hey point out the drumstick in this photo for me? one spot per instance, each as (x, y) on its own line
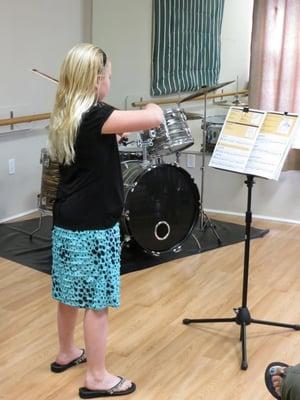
(50, 78)
(42, 74)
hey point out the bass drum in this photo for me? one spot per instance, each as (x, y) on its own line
(161, 206)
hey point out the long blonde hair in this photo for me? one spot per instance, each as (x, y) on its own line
(76, 93)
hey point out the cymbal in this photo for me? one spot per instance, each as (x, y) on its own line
(192, 115)
(205, 90)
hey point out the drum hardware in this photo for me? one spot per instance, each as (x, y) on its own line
(205, 221)
(177, 249)
(178, 158)
(228, 104)
(197, 241)
(237, 98)
(125, 242)
(124, 142)
(133, 187)
(158, 161)
(144, 144)
(161, 224)
(192, 115)
(126, 215)
(155, 253)
(129, 186)
(214, 126)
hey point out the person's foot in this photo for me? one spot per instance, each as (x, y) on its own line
(66, 358)
(107, 382)
(121, 388)
(65, 361)
(277, 377)
(274, 375)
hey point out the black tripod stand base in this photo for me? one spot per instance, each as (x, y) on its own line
(244, 365)
(243, 318)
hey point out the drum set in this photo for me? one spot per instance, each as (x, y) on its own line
(161, 204)
(161, 199)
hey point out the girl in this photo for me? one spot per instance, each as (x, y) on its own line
(89, 203)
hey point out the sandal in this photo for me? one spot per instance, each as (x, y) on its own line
(56, 367)
(86, 393)
(269, 373)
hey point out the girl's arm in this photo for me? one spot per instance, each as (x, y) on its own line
(133, 120)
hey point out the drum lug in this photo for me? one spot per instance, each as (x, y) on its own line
(133, 186)
(155, 253)
(126, 215)
(125, 242)
(127, 239)
(177, 249)
(152, 135)
(130, 186)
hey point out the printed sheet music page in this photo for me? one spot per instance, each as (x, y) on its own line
(254, 142)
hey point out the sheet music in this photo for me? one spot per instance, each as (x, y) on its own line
(272, 145)
(254, 142)
(237, 139)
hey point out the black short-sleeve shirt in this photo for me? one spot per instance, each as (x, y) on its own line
(90, 193)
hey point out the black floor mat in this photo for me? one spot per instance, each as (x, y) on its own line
(15, 244)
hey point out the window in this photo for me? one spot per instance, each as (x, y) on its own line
(186, 44)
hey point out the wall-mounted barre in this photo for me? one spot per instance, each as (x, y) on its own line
(29, 118)
(24, 119)
(174, 100)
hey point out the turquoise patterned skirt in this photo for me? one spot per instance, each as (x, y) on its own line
(86, 267)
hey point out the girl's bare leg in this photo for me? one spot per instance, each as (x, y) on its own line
(95, 335)
(66, 321)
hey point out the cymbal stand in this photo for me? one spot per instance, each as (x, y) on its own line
(205, 221)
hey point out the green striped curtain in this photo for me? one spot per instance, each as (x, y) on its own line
(186, 44)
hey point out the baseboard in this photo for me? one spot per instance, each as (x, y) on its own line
(209, 210)
(275, 219)
(23, 214)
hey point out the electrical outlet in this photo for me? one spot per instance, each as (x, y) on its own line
(191, 161)
(11, 166)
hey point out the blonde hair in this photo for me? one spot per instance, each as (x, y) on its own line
(76, 93)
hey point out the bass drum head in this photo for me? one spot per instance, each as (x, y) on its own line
(162, 207)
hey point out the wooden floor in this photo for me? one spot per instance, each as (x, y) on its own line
(148, 342)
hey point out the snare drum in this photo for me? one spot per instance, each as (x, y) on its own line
(171, 136)
(50, 181)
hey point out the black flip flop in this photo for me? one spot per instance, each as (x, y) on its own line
(56, 367)
(268, 377)
(86, 393)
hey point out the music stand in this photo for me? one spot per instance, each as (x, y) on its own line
(243, 316)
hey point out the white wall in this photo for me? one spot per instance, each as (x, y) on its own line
(123, 30)
(126, 36)
(37, 34)
(33, 34)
